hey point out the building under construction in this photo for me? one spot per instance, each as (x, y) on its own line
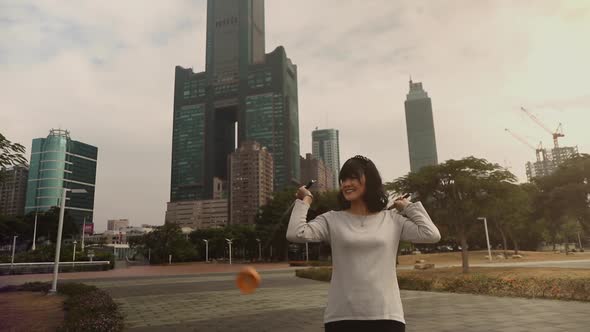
(547, 160)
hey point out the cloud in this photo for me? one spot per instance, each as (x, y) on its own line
(105, 71)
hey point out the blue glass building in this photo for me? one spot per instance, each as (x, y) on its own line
(58, 162)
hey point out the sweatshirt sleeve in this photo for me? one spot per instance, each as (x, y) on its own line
(417, 227)
(301, 231)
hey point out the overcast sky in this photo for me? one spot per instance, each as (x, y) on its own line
(105, 71)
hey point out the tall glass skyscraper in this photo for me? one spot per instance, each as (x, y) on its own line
(326, 147)
(243, 91)
(58, 162)
(420, 127)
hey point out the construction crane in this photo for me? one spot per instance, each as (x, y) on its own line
(539, 151)
(556, 134)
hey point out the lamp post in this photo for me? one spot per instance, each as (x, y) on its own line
(206, 251)
(35, 232)
(259, 250)
(485, 222)
(13, 247)
(60, 226)
(74, 254)
(229, 242)
(83, 231)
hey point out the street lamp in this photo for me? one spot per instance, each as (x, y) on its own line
(259, 250)
(35, 232)
(229, 242)
(206, 251)
(60, 227)
(83, 231)
(13, 247)
(485, 222)
(74, 254)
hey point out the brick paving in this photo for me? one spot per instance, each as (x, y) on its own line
(144, 271)
(211, 302)
(203, 297)
(30, 311)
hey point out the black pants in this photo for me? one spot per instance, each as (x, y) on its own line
(365, 325)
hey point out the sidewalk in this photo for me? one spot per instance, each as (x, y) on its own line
(146, 271)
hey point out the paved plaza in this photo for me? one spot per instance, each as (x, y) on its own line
(211, 302)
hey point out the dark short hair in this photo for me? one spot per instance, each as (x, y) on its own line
(375, 196)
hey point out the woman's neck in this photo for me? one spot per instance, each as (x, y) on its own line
(359, 207)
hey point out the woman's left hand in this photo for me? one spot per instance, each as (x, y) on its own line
(400, 203)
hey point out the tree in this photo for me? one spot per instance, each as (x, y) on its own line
(273, 218)
(509, 208)
(272, 221)
(47, 223)
(564, 198)
(164, 241)
(454, 193)
(10, 154)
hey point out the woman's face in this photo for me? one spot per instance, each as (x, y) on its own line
(353, 189)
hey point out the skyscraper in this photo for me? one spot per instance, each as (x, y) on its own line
(243, 91)
(13, 191)
(420, 127)
(326, 147)
(58, 162)
(251, 181)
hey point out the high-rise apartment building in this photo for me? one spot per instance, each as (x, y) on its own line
(13, 191)
(201, 214)
(326, 147)
(251, 181)
(315, 169)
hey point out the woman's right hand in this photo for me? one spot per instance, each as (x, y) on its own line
(304, 194)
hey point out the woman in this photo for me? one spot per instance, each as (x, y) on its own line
(364, 236)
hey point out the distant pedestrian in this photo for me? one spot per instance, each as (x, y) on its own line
(364, 237)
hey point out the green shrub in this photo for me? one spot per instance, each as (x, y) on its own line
(321, 274)
(36, 286)
(89, 309)
(310, 263)
(551, 288)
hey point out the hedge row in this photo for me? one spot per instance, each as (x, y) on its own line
(529, 287)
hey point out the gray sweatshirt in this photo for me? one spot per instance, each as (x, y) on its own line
(364, 283)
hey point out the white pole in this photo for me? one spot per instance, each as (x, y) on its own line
(306, 252)
(35, 232)
(13, 247)
(230, 253)
(580, 242)
(83, 231)
(169, 259)
(60, 226)
(485, 222)
(206, 250)
(74, 254)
